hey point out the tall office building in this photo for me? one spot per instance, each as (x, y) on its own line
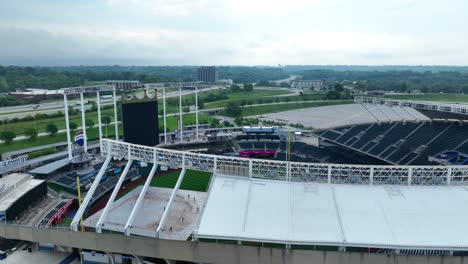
(208, 74)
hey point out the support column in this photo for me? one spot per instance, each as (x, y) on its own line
(410, 175)
(164, 115)
(180, 114)
(114, 96)
(89, 194)
(67, 124)
(162, 223)
(116, 190)
(83, 123)
(196, 111)
(98, 101)
(137, 205)
(449, 175)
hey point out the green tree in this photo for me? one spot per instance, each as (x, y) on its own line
(425, 89)
(338, 87)
(89, 123)
(186, 109)
(31, 133)
(214, 123)
(3, 85)
(73, 126)
(333, 95)
(235, 88)
(201, 104)
(248, 87)
(52, 129)
(7, 136)
(106, 120)
(404, 88)
(346, 94)
(71, 110)
(233, 110)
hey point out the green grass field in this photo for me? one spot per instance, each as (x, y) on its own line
(193, 180)
(250, 97)
(274, 108)
(436, 97)
(187, 119)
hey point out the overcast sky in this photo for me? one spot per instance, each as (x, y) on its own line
(233, 32)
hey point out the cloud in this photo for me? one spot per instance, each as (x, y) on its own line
(156, 46)
(160, 7)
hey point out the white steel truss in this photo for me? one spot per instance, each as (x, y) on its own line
(291, 171)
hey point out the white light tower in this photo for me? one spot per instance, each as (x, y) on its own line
(180, 114)
(196, 111)
(67, 124)
(164, 115)
(115, 114)
(98, 101)
(83, 123)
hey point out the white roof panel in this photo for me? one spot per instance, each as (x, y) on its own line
(327, 214)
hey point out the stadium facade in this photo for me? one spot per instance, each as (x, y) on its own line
(286, 209)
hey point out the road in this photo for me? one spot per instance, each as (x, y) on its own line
(289, 79)
(52, 107)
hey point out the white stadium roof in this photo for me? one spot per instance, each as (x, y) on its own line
(425, 217)
(325, 117)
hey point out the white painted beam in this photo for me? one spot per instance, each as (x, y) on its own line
(83, 123)
(89, 194)
(103, 216)
(137, 205)
(163, 221)
(67, 124)
(98, 101)
(116, 125)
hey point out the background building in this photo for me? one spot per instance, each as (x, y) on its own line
(125, 84)
(315, 84)
(208, 74)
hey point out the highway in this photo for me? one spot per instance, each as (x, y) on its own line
(52, 107)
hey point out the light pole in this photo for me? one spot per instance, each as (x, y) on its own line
(180, 114)
(164, 115)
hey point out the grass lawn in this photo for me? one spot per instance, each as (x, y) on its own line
(193, 180)
(40, 125)
(187, 119)
(92, 134)
(437, 97)
(274, 108)
(250, 97)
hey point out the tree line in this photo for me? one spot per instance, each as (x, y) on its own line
(399, 81)
(12, 77)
